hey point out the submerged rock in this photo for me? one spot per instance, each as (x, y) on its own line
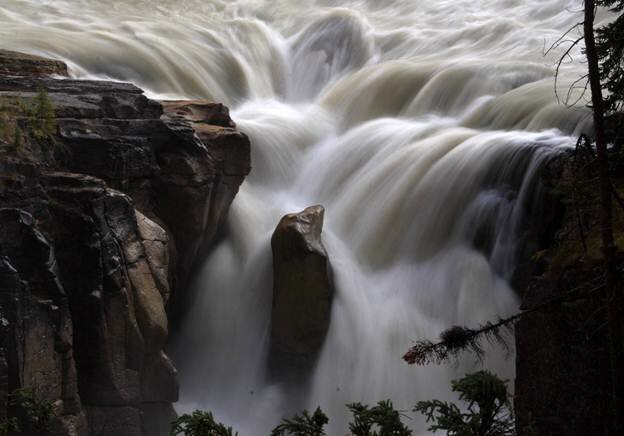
(302, 289)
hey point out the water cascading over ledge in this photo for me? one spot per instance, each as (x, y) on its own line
(421, 127)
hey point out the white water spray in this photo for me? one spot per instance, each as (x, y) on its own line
(419, 125)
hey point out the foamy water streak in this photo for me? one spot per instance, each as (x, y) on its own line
(419, 125)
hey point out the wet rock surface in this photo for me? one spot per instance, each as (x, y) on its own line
(85, 314)
(100, 226)
(302, 290)
(12, 62)
(181, 162)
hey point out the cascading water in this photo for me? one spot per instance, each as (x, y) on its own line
(419, 125)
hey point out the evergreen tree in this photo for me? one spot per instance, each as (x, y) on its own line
(604, 64)
(42, 117)
(488, 411)
(380, 420)
(199, 423)
(28, 414)
(303, 424)
(610, 49)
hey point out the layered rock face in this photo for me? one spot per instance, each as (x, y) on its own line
(86, 319)
(101, 225)
(197, 185)
(302, 290)
(22, 64)
(182, 166)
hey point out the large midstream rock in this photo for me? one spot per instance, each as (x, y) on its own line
(100, 226)
(302, 289)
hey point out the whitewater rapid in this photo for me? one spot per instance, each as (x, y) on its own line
(419, 125)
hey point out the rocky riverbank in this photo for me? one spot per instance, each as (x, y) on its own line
(102, 219)
(563, 379)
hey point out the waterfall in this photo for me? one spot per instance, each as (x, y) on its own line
(421, 127)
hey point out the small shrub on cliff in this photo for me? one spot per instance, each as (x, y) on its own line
(35, 120)
(9, 426)
(8, 125)
(33, 416)
(41, 115)
(303, 425)
(488, 408)
(199, 423)
(4, 123)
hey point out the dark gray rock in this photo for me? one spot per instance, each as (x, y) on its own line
(14, 63)
(36, 325)
(182, 166)
(101, 224)
(90, 318)
(302, 289)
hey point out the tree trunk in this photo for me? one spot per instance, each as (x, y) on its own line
(606, 220)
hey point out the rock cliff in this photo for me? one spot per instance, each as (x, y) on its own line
(562, 384)
(101, 222)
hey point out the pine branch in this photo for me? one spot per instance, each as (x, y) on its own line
(457, 340)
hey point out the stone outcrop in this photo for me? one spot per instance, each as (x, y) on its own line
(302, 290)
(182, 166)
(197, 185)
(101, 224)
(14, 63)
(86, 322)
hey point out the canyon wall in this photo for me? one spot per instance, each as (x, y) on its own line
(101, 223)
(563, 380)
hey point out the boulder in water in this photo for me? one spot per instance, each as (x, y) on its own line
(302, 288)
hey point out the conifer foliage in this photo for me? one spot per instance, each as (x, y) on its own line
(42, 118)
(380, 420)
(29, 414)
(610, 49)
(200, 423)
(303, 424)
(488, 409)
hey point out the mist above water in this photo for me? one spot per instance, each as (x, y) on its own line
(419, 125)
